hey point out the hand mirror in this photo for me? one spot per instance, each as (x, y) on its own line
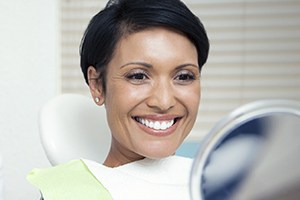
(253, 153)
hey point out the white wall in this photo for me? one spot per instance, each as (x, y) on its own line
(29, 74)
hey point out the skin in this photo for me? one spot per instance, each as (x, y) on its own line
(154, 77)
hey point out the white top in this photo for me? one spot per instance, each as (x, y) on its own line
(145, 179)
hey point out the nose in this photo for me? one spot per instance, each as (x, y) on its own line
(162, 96)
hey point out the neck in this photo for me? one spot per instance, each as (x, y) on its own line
(117, 157)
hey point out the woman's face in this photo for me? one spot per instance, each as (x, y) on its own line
(152, 94)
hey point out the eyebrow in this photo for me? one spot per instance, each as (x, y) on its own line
(137, 63)
(150, 66)
(187, 64)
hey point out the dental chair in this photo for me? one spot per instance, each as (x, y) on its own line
(72, 126)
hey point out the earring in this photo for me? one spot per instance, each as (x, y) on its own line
(97, 100)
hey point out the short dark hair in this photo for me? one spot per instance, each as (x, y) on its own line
(123, 17)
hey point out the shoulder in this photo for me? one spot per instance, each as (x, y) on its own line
(166, 178)
(58, 169)
(159, 171)
(70, 180)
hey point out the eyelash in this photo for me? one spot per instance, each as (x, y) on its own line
(140, 76)
(137, 77)
(185, 77)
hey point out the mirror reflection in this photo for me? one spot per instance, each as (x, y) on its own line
(231, 159)
(252, 154)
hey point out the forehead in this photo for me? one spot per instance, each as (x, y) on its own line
(156, 42)
(146, 33)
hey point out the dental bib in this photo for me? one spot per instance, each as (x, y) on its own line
(161, 179)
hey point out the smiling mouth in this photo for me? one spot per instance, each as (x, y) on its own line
(156, 125)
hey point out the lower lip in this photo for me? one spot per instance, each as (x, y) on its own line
(159, 133)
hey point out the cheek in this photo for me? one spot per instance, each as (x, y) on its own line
(123, 96)
(137, 93)
(191, 97)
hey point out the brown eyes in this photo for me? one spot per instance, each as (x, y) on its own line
(185, 76)
(182, 77)
(136, 76)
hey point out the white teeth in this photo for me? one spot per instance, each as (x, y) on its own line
(163, 125)
(151, 124)
(156, 124)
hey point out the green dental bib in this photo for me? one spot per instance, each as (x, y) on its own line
(70, 181)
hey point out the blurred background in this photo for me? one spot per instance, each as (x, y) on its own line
(255, 54)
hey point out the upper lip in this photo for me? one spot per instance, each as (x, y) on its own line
(157, 117)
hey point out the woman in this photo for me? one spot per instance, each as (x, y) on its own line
(142, 60)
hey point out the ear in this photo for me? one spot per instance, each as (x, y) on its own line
(95, 86)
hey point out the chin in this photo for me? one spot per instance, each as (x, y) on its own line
(157, 148)
(158, 153)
